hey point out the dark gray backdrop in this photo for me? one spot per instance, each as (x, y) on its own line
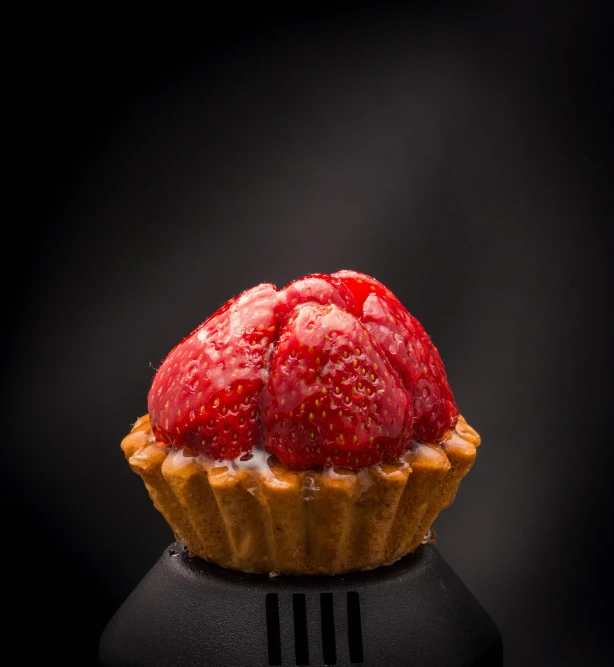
(458, 155)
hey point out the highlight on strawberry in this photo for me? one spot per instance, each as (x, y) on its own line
(331, 370)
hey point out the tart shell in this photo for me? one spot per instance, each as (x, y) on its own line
(259, 516)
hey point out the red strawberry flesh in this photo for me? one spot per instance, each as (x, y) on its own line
(330, 371)
(360, 286)
(333, 399)
(315, 288)
(205, 394)
(417, 361)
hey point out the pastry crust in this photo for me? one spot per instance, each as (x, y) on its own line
(259, 516)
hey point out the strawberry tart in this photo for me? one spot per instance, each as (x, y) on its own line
(307, 430)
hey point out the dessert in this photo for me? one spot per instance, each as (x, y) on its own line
(308, 430)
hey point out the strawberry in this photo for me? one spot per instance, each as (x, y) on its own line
(205, 394)
(331, 370)
(409, 349)
(314, 288)
(332, 398)
(417, 362)
(360, 286)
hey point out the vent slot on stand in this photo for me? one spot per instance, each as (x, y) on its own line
(272, 629)
(327, 613)
(301, 646)
(354, 628)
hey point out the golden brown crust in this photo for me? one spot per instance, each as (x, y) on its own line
(460, 449)
(193, 490)
(271, 519)
(429, 466)
(281, 495)
(330, 519)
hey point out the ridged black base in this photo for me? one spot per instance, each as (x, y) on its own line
(188, 613)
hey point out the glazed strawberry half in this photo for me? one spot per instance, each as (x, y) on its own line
(330, 371)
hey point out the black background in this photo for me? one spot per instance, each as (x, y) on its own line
(458, 153)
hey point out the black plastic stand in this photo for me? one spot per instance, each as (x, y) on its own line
(188, 613)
